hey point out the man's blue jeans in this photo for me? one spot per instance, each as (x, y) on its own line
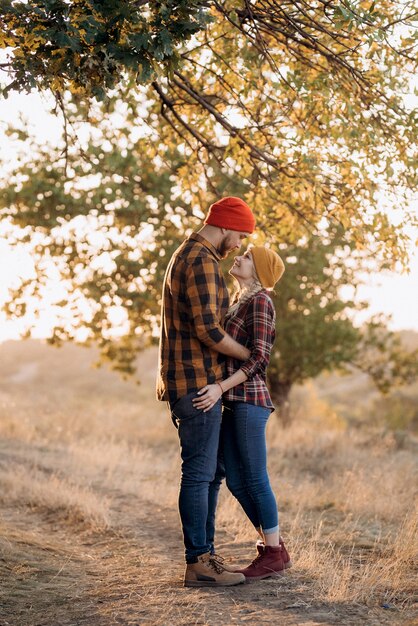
(243, 452)
(199, 442)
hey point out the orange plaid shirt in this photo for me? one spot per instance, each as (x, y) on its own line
(195, 301)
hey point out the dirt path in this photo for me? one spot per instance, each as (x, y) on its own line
(57, 572)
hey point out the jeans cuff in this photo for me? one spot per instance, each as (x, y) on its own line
(269, 531)
(194, 558)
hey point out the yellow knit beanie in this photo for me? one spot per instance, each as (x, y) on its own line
(268, 265)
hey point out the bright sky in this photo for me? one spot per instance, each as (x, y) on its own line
(394, 294)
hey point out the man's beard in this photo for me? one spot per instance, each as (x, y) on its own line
(224, 248)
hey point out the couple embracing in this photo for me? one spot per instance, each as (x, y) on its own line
(212, 371)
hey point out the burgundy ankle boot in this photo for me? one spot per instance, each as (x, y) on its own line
(286, 558)
(270, 562)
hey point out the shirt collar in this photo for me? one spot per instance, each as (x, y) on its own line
(205, 242)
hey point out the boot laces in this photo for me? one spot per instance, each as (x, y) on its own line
(216, 561)
(218, 558)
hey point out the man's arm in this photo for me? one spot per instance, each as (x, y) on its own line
(232, 348)
(202, 290)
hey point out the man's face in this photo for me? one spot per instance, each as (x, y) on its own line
(232, 240)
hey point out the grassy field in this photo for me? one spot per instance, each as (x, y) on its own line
(89, 470)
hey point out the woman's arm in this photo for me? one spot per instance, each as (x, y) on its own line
(235, 379)
(209, 394)
(260, 322)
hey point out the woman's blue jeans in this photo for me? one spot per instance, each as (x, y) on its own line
(199, 443)
(244, 451)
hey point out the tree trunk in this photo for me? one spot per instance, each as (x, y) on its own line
(280, 395)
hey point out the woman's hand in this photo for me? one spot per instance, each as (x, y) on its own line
(208, 397)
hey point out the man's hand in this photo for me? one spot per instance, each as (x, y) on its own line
(209, 395)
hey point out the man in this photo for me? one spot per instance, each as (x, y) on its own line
(192, 349)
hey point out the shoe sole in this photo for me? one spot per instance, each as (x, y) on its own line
(198, 583)
(254, 579)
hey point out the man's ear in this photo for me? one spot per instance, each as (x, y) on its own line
(223, 230)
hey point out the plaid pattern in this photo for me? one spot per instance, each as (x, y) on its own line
(195, 301)
(253, 326)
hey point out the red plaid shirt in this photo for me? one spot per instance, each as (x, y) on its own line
(253, 326)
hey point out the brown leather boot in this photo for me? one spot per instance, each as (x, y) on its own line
(209, 572)
(270, 562)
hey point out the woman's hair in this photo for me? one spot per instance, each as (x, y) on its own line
(242, 295)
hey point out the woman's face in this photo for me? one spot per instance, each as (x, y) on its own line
(243, 268)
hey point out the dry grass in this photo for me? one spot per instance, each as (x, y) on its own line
(345, 573)
(85, 446)
(30, 487)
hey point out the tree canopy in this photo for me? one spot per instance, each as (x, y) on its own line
(298, 107)
(85, 45)
(302, 101)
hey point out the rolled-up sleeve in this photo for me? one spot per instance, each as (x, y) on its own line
(260, 322)
(202, 292)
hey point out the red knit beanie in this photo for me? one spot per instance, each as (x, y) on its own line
(231, 213)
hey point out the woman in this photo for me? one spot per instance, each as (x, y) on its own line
(247, 405)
